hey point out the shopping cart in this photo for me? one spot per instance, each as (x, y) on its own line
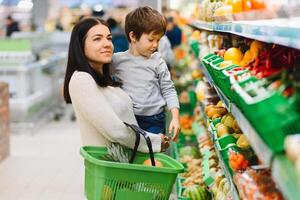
(108, 180)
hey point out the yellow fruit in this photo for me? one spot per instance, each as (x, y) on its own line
(234, 54)
(148, 163)
(196, 74)
(242, 142)
(229, 121)
(236, 127)
(226, 63)
(248, 56)
(220, 104)
(200, 95)
(196, 35)
(256, 47)
(222, 130)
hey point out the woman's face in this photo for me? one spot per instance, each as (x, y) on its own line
(98, 47)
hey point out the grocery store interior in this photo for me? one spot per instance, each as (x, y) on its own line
(235, 65)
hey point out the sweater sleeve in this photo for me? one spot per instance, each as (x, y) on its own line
(92, 104)
(166, 85)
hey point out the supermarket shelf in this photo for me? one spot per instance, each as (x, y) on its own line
(286, 177)
(211, 82)
(259, 146)
(279, 31)
(227, 174)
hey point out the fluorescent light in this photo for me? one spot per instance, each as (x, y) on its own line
(84, 6)
(98, 8)
(25, 4)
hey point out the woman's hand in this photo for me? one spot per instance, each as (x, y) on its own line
(174, 128)
(165, 142)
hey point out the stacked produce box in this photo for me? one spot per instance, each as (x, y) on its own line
(4, 121)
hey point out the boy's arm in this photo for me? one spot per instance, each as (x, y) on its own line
(169, 93)
(166, 85)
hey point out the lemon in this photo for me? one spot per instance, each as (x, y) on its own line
(234, 54)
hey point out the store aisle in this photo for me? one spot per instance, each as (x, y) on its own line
(44, 166)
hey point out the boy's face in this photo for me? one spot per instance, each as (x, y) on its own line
(147, 44)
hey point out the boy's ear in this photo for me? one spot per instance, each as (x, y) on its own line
(132, 36)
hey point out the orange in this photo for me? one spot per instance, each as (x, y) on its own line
(258, 4)
(247, 5)
(234, 54)
(148, 163)
(237, 6)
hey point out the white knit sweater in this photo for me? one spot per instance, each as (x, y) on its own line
(101, 111)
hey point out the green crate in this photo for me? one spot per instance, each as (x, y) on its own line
(239, 102)
(180, 189)
(206, 60)
(213, 128)
(107, 180)
(217, 74)
(226, 140)
(208, 178)
(188, 108)
(224, 80)
(225, 154)
(186, 140)
(270, 113)
(211, 68)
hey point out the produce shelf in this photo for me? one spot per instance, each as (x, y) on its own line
(283, 31)
(286, 177)
(258, 145)
(227, 174)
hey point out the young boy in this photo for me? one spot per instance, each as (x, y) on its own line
(144, 73)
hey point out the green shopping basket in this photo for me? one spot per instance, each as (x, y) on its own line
(108, 180)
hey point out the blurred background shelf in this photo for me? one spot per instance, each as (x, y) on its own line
(279, 31)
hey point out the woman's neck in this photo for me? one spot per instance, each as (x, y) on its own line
(98, 67)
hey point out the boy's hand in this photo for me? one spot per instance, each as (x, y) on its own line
(174, 128)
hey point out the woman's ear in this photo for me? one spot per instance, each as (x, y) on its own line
(132, 36)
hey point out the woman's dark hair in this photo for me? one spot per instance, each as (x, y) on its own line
(77, 60)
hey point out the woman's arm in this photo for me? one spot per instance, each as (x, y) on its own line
(93, 106)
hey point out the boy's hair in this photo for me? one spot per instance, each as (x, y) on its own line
(144, 20)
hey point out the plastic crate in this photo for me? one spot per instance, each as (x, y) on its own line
(188, 108)
(211, 68)
(217, 74)
(107, 180)
(224, 152)
(271, 114)
(206, 60)
(226, 140)
(224, 80)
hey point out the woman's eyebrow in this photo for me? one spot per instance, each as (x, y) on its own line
(101, 35)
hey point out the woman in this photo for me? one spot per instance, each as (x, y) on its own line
(100, 105)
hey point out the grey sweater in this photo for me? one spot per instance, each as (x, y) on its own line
(147, 81)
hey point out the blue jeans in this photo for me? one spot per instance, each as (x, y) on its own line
(153, 124)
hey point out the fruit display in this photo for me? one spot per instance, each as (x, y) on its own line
(257, 184)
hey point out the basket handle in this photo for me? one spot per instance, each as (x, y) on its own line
(138, 131)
